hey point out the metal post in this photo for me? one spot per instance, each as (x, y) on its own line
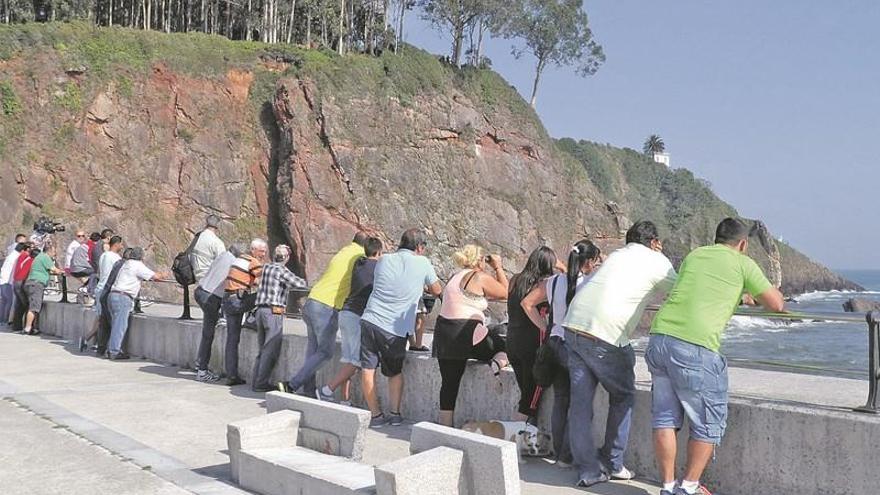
(63, 288)
(873, 364)
(185, 315)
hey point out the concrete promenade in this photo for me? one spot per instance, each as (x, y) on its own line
(788, 433)
(73, 424)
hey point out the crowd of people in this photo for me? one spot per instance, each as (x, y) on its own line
(570, 324)
(570, 321)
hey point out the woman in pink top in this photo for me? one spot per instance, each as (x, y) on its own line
(460, 333)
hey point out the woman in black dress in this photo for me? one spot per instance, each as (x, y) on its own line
(523, 337)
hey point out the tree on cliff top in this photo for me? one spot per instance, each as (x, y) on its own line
(555, 32)
(654, 144)
(457, 16)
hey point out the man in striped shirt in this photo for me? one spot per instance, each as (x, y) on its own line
(238, 299)
(274, 284)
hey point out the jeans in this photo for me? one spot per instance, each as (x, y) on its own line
(591, 363)
(210, 305)
(687, 379)
(270, 328)
(5, 302)
(561, 399)
(120, 306)
(19, 307)
(234, 309)
(321, 324)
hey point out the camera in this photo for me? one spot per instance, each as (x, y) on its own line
(46, 226)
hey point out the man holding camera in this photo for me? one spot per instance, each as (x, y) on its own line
(42, 267)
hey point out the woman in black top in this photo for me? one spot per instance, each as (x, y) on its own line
(523, 337)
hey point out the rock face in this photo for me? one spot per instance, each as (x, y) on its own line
(860, 305)
(439, 164)
(148, 138)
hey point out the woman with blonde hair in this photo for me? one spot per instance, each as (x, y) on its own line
(460, 332)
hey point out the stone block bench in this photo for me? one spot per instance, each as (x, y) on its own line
(305, 446)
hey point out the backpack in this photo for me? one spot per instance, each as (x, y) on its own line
(182, 267)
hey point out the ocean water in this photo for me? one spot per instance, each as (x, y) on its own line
(833, 348)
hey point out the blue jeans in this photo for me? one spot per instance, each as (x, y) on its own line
(234, 309)
(5, 302)
(687, 379)
(561, 398)
(210, 305)
(591, 363)
(322, 324)
(120, 306)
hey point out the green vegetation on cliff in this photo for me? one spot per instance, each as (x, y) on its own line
(103, 137)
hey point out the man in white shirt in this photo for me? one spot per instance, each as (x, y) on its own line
(207, 248)
(6, 293)
(105, 265)
(77, 241)
(120, 301)
(209, 296)
(599, 322)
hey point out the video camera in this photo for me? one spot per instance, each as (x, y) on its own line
(46, 226)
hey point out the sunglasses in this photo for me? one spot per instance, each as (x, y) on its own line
(80, 235)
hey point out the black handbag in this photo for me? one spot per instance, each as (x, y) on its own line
(547, 364)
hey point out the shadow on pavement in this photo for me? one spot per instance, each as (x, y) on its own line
(541, 472)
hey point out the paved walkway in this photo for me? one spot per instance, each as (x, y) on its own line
(74, 424)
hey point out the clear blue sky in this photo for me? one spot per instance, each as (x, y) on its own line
(776, 103)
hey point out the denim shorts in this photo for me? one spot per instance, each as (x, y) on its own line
(691, 380)
(350, 331)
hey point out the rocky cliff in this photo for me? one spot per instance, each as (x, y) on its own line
(147, 133)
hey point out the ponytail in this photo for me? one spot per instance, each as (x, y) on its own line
(582, 252)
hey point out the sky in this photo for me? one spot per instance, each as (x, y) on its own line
(775, 103)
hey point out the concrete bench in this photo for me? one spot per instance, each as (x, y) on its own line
(438, 471)
(490, 465)
(324, 426)
(300, 471)
(279, 429)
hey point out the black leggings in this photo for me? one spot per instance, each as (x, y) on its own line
(451, 370)
(522, 368)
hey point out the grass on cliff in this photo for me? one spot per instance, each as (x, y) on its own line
(106, 53)
(682, 205)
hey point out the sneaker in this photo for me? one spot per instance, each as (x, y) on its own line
(233, 381)
(378, 421)
(322, 394)
(284, 387)
(206, 376)
(395, 419)
(119, 356)
(623, 474)
(583, 483)
(701, 490)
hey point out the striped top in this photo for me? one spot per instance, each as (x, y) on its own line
(244, 273)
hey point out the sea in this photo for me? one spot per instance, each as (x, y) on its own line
(821, 347)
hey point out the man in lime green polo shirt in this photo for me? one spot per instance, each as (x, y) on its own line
(689, 375)
(320, 313)
(42, 267)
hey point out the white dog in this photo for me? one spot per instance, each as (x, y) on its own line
(530, 442)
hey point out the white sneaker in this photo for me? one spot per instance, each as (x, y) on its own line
(623, 474)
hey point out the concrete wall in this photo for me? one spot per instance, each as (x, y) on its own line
(770, 447)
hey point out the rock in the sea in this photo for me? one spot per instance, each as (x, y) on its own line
(860, 305)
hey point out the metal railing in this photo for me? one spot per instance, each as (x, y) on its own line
(872, 405)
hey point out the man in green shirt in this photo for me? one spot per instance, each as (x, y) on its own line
(689, 376)
(42, 267)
